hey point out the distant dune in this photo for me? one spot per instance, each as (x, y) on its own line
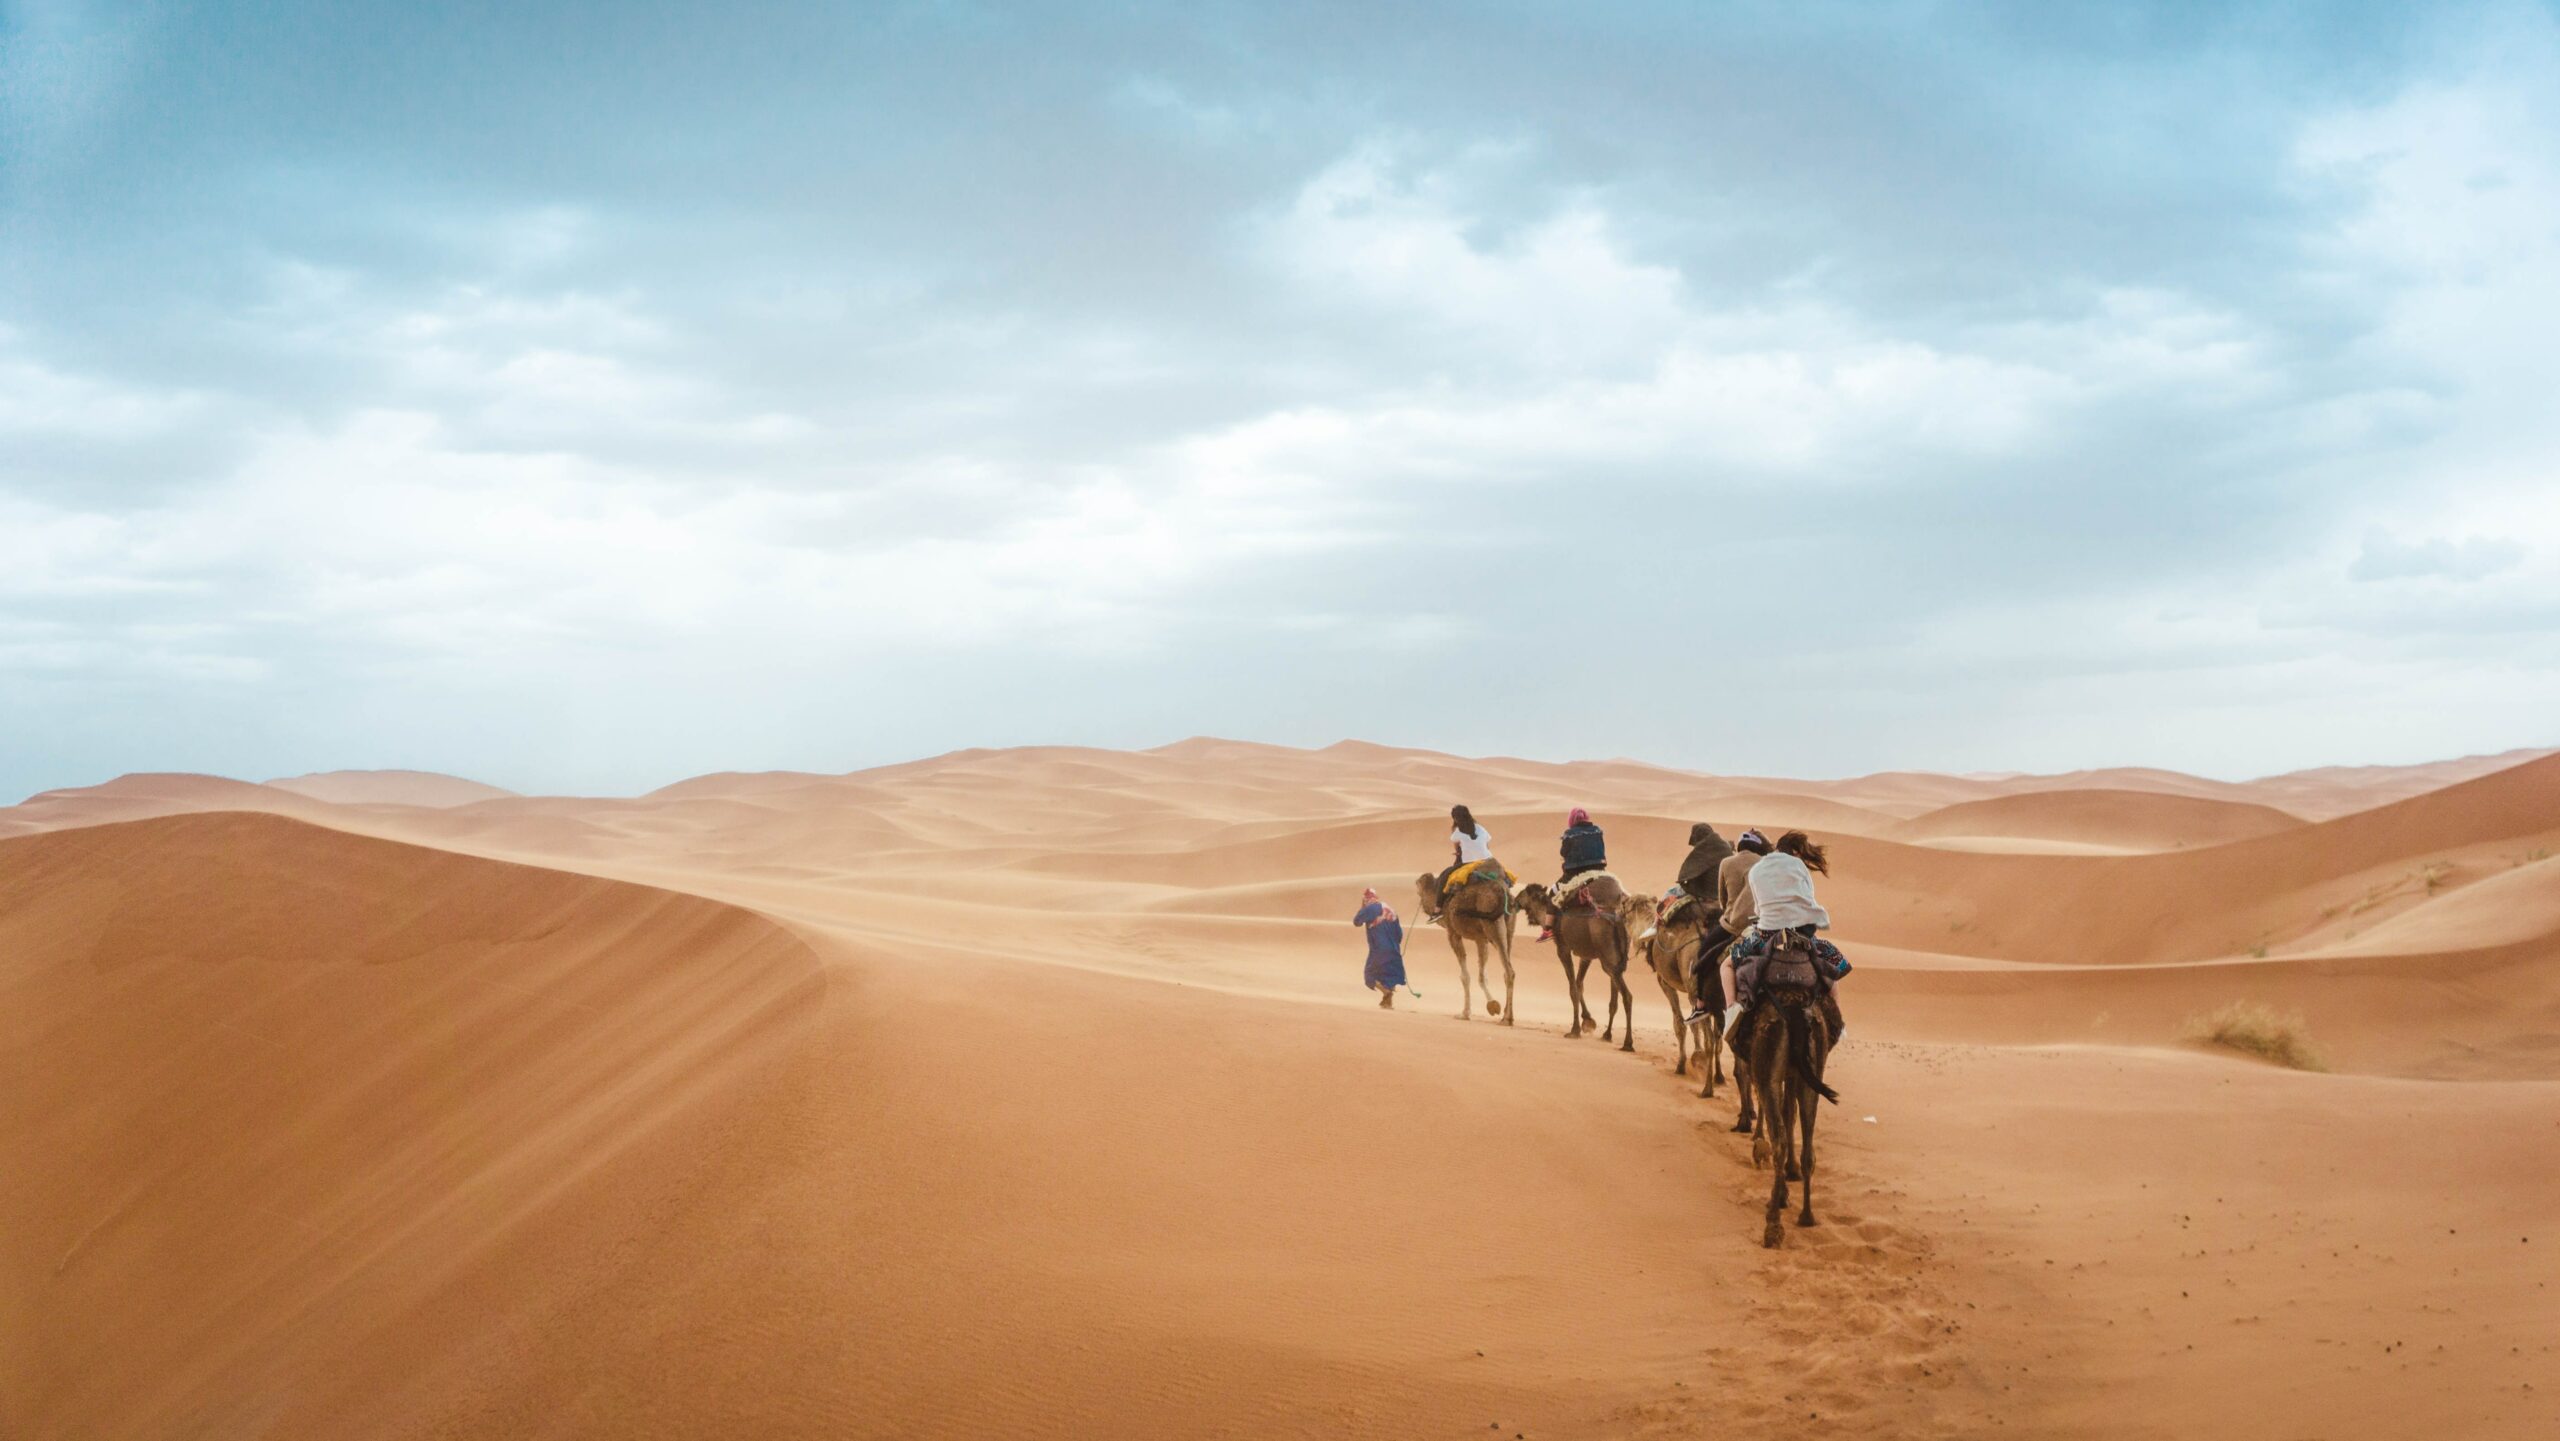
(2104, 819)
(1031, 1092)
(390, 788)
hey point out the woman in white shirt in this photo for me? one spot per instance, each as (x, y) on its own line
(1473, 842)
(1468, 844)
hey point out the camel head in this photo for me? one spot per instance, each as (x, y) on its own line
(1535, 904)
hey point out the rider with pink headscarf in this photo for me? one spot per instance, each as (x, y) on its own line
(1582, 847)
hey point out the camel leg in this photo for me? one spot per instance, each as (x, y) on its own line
(1783, 1117)
(1758, 1092)
(1777, 1124)
(1772, 1228)
(1510, 1006)
(1812, 1107)
(1466, 998)
(1679, 1027)
(1807, 1107)
(1572, 990)
(1607, 1031)
(1622, 994)
(1711, 1040)
(1745, 1082)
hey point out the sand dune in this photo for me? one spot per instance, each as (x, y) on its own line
(1030, 1093)
(2109, 819)
(2328, 791)
(314, 1128)
(390, 788)
(141, 796)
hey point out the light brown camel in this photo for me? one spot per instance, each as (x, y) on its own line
(1583, 934)
(1673, 953)
(1479, 911)
(1790, 1044)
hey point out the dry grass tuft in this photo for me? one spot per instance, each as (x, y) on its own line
(2260, 1030)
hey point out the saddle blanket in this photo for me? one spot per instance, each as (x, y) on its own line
(1572, 885)
(1464, 874)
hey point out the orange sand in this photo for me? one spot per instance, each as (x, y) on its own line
(1032, 1093)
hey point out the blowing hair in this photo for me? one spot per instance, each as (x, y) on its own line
(1801, 846)
(1465, 819)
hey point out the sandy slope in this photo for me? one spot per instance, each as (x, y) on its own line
(1029, 1092)
(300, 1126)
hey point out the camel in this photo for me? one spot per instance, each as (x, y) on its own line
(1586, 934)
(1674, 955)
(1479, 911)
(1789, 1047)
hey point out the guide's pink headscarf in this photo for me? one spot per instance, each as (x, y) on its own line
(1370, 894)
(1580, 817)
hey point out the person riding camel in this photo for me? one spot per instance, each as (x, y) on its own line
(1732, 890)
(1385, 969)
(1470, 845)
(1782, 899)
(1585, 853)
(1707, 850)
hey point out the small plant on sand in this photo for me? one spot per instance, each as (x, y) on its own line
(2434, 876)
(2259, 950)
(2260, 1030)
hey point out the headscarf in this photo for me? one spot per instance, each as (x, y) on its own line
(1752, 840)
(1580, 817)
(1370, 894)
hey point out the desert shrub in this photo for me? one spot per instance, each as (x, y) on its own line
(2260, 1030)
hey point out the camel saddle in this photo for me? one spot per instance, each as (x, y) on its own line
(1692, 908)
(1590, 891)
(1791, 965)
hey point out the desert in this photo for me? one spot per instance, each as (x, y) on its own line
(1032, 1092)
(955, 720)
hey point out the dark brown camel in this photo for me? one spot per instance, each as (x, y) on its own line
(1789, 1047)
(1673, 953)
(1590, 929)
(1479, 911)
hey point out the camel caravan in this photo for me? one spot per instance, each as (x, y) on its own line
(1734, 943)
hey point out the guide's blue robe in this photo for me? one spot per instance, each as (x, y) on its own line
(1386, 945)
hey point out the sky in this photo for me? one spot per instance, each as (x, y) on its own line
(579, 398)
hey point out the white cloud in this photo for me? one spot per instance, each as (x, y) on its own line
(2471, 558)
(1560, 347)
(38, 399)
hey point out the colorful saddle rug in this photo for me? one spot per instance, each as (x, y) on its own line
(1464, 874)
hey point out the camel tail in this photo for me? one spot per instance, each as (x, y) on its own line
(1800, 1053)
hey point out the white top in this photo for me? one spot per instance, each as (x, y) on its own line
(1782, 889)
(1477, 847)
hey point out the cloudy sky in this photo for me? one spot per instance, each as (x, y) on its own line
(585, 397)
